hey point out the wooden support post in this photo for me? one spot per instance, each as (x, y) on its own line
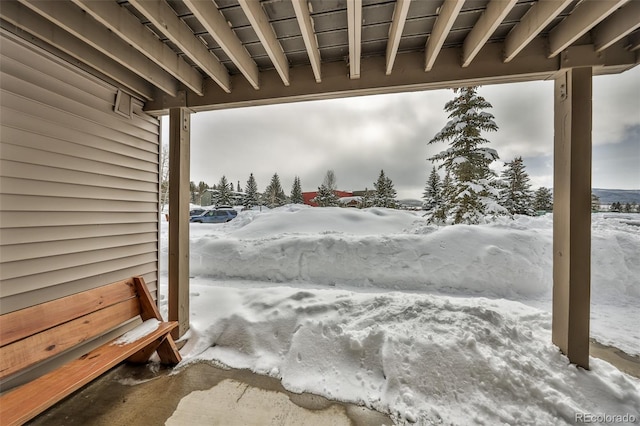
(572, 214)
(179, 157)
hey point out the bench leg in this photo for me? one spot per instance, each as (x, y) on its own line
(167, 351)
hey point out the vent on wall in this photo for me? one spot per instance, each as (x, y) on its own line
(124, 104)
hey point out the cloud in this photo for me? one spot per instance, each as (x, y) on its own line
(617, 165)
(524, 115)
(616, 106)
(355, 137)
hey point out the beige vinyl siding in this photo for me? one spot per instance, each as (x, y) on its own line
(79, 183)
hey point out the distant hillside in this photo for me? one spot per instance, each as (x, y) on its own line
(608, 196)
(411, 202)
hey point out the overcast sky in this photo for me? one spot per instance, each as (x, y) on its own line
(357, 137)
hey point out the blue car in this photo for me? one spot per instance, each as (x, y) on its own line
(214, 216)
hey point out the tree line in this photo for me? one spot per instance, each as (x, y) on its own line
(624, 208)
(225, 193)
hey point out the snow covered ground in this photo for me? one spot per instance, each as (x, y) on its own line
(431, 324)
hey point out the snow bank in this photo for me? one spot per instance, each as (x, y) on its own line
(381, 249)
(302, 219)
(433, 260)
(389, 249)
(379, 308)
(423, 358)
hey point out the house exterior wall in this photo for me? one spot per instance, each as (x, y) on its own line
(79, 182)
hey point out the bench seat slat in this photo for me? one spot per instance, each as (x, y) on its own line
(41, 346)
(25, 402)
(26, 322)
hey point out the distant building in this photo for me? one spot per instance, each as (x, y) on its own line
(350, 201)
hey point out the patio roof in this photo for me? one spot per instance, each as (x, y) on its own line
(207, 55)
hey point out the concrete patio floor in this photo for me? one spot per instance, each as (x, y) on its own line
(199, 394)
(203, 394)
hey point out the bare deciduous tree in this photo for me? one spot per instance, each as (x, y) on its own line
(164, 176)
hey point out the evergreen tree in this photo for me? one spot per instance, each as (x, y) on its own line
(274, 195)
(432, 195)
(627, 208)
(367, 199)
(543, 200)
(439, 214)
(238, 188)
(326, 196)
(385, 194)
(516, 195)
(224, 196)
(474, 190)
(251, 197)
(595, 203)
(296, 192)
(192, 192)
(392, 194)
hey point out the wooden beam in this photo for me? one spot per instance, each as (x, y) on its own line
(260, 24)
(395, 32)
(634, 41)
(487, 68)
(354, 30)
(532, 23)
(303, 16)
(489, 21)
(128, 27)
(70, 18)
(572, 214)
(37, 26)
(216, 25)
(585, 16)
(623, 22)
(179, 160)
(164, 18)
(446, 17)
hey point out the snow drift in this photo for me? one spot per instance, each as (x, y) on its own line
(424, 359)
(434, 325)
(389, 249)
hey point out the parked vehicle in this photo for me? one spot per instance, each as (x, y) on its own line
(214, 216)
(196, 212)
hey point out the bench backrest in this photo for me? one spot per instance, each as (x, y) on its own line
(31, 335)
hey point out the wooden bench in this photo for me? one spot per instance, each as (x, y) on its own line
(34, 334)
